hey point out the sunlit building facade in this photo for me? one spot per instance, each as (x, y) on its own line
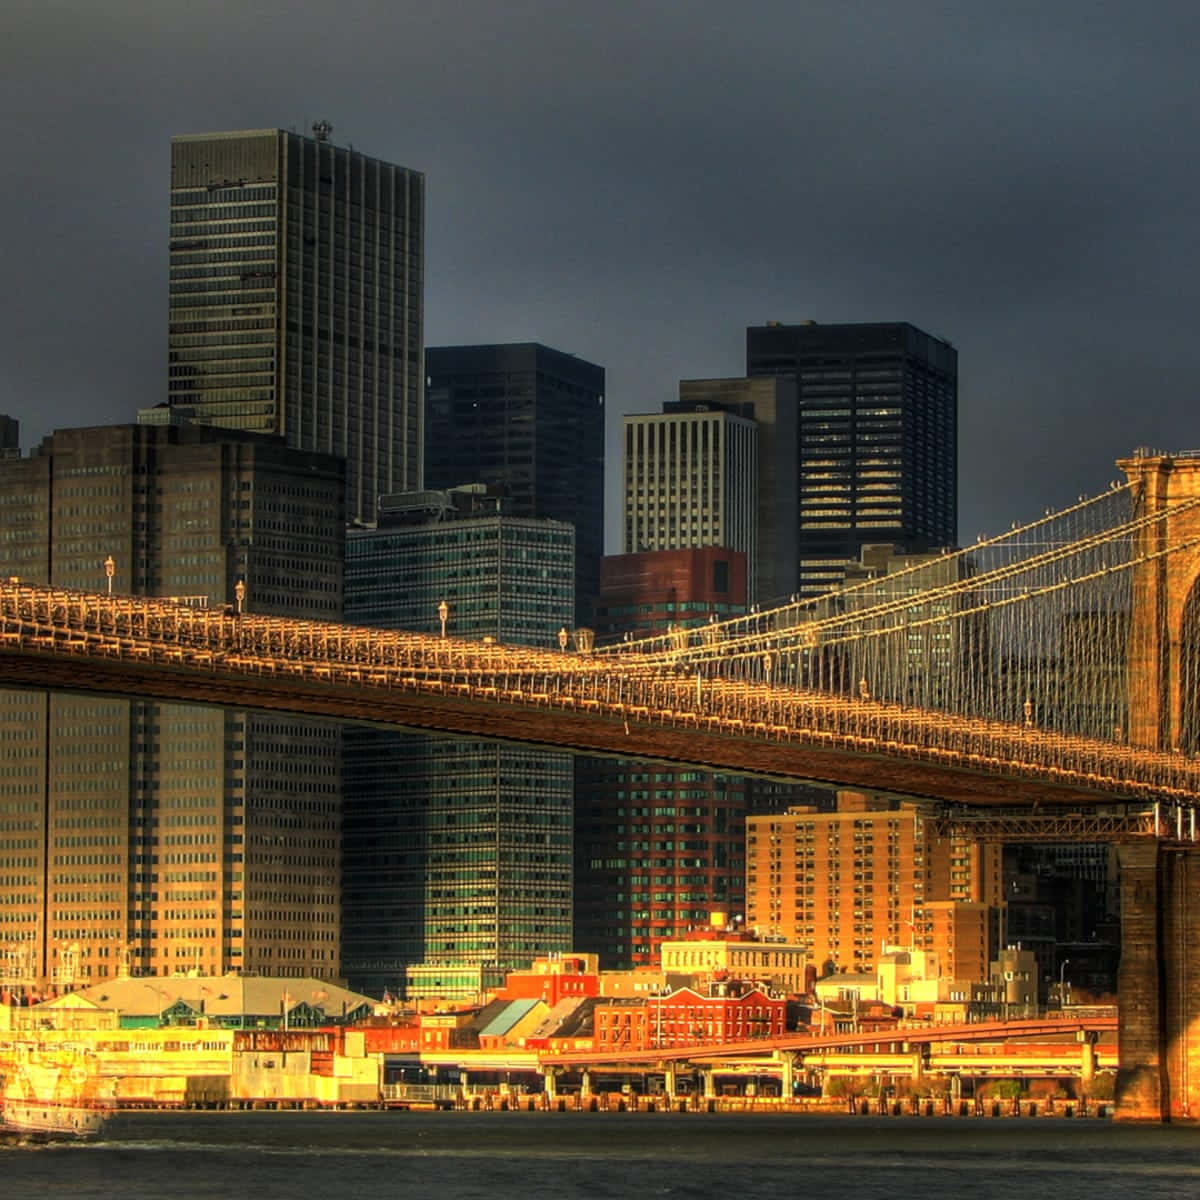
(844, 884)
(148, 838)
(691, 479)
(770, 402)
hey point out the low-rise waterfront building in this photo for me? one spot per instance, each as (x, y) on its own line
(714, 952)
(726, 1011)
(553, 979)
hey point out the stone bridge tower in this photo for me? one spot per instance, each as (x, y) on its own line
(1159, 982)
(1164, 647)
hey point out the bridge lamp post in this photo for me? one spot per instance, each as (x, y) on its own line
(443, 611)
(1062, 985)
(562, 639)
(766, 664)
(239, 592)
(1028, 710)
(110, 569)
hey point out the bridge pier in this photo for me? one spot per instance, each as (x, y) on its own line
(787, 1069)
(1158, 984)
(1087, 1060)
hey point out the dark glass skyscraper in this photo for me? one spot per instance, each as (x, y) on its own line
(876, 444)
(527, 421)
(296, 286)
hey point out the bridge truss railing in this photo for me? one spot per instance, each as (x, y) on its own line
(633, 688)
(1030, 627)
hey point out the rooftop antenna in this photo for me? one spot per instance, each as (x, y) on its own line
(322, 130)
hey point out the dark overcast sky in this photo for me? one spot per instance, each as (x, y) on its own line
(636, 183)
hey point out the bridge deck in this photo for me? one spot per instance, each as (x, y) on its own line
(635, 707)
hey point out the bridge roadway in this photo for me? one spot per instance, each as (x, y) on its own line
(636, 706)
(881, 1041)
(995, 1048)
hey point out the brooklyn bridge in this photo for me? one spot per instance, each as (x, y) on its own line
(1038, 684)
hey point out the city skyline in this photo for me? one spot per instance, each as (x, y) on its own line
(1011, 185)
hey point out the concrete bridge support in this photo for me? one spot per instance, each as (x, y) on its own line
(1159, 984)
(1087, 1059)
(787, 1071)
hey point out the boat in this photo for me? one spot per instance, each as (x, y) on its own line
(52, 1095)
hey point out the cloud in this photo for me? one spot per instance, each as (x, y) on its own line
(637, 183)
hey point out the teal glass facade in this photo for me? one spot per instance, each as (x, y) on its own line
(458, 853)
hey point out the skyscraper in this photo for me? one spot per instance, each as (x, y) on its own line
(296, 286)
(528, 421)
(457, 851)
(658, 850)
(770, 402)
(876, 443)
(162, 838)
(691, 479)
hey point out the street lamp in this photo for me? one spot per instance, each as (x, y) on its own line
(1066, 962)
(239, 591)
(562, 639)
(110, 569)
(443, 612)
(1028, 709)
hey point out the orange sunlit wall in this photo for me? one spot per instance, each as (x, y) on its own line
(844, 883)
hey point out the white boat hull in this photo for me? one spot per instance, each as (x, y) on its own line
(42, 1118)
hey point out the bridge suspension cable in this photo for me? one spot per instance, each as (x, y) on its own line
(1030, 627)
(1004, 662)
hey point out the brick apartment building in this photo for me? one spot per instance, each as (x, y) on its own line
(843, 884)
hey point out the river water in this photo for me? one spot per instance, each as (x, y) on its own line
(459, 1155)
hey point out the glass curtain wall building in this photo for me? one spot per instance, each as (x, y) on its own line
(457, 851)
(149, 838)
(527, 421)
(296, 300)
(876, 445)
(658, 850)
